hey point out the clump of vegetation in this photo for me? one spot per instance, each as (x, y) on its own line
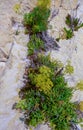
(22, 104)
(47, 97)
(47, 61)
(69, 33)
(34, 44)
(66, 34)
(69, 68)
(80, 85)
(73, 23)
(36, 21)
(42, 79)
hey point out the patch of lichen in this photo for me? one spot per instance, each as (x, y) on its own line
(81, 106)
(17, 7)
(80, 85)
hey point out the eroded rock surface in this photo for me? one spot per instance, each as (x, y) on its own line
(12, 68)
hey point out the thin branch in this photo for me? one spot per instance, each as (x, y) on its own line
(59, 72)
(3, 60)
(4, 53)
(61, 3)
(54, 13)
(10, 50)
(7, 56)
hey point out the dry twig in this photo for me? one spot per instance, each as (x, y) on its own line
(6, 56)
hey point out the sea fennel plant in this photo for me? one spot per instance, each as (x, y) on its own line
(46, 97)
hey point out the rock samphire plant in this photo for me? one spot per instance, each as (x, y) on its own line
(46, 96)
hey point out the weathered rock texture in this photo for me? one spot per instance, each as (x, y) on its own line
(12, 68)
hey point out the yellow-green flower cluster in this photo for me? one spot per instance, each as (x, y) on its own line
(42, 80)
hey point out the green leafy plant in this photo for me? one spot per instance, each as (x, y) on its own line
(69, 33)
(34, 44)
(22, 104)
(53, 107)
(66, 34)
(73, 23)
(36, 117)
(47, 61)
(36, 21)
(69, 68)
